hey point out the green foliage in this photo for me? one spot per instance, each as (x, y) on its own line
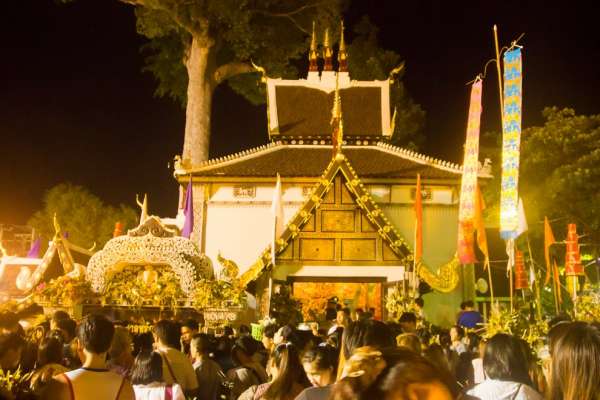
(276, 36)
(87, 219)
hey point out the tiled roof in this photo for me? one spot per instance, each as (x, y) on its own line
(379, 160)
(306, 112)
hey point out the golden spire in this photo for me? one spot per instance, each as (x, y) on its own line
(312, 53)
(337, 134)
(328, 66)
(342, 55)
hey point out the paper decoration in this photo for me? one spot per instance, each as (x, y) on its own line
(521, 275)
(511, 142)
(468, 189)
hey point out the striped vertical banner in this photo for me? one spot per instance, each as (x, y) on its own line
(511, 142)
(468, 187)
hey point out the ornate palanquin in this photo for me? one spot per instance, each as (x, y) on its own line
(340, 223)
(151, 244)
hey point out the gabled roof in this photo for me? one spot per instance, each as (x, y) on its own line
(308, 159)
(338, 165)
(59, 259)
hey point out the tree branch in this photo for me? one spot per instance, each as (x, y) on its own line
(289, 15)
(171, 12)
(228, 70)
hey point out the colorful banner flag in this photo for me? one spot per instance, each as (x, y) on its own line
(468, 188)
(521, 278)
(188, 225)
(549, 240)
(511, 142)
(277, 210)
(418, 222)
(34, 251)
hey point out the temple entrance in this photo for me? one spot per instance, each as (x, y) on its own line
(314, 293)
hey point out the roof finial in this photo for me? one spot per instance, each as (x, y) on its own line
(342, 55)
(328, 66)
(312, 54)
(337, 135)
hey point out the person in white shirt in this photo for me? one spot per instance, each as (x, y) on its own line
(93, 380)
(457, 333)
(147, 379)
(177, 367)
(507, 372)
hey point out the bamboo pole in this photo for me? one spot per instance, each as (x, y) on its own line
(498, 69)
(538, 297)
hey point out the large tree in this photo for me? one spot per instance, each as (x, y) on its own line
(86, 218)
(196, 45)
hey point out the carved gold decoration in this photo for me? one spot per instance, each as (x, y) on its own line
(150, 244)
(445, 279)
(229, 270)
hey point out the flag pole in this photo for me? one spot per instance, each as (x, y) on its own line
(489, 269)
(498, 69)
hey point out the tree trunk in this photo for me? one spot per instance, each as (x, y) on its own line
(200, 66)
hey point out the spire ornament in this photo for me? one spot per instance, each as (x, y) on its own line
(327, 54)
(337, 134)
(342, 55)
(312, 53)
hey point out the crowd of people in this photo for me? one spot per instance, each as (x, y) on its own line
(355, 358)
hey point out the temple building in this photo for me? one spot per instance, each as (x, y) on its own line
(348, 206)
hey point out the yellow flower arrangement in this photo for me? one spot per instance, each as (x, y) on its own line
(587, 305)
(218, 293)
(64, 291)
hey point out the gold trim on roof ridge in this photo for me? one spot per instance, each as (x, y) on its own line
(421, 158)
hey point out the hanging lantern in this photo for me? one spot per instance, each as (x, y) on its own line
(521, 276)
(573, 267)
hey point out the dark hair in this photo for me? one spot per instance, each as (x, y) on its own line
(8, 320)
(575, 364)
(270, 330)
(60, 315)
(346, 311)
(69, 326)
(469, 303)
(95, 333)
(459, 330)
(228, 331)
(50, 351)
(147, 368)
(246, 345)
(201, 342)
(419, 301)
(244, 330)
(408, 317)
(10, 341)
(366, 333)
(504, 360)
(190, 323)
(322, 358)
(435, 354)
(167, 332)
(409, 341)
(286, 359)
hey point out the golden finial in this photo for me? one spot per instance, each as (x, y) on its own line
(393, 124)
(327, 65)
(312, 54)
(56, 226)
(342, 55)
(263, 73)
(337, 119)
(395, 72)
(143, 208)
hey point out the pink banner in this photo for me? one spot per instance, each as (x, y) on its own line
(468, 188)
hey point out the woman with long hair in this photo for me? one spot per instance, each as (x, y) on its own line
(575, 364)
(507, 370)
(288, 376)
(147, 379)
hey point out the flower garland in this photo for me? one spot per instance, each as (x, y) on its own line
(587, 305)
(396, 303)
(218, 293)
(64, 291)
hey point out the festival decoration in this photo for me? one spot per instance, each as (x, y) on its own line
(468, 190)
(521, 278)
(587, 306)
(511, 141)
(188, 225)
(15, 384)
(397, 303)
(337, 133)
(64, 291)
(573, 266)
(418, 222)
(150, 244)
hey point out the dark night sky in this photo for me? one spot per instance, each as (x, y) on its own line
(75, 105)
